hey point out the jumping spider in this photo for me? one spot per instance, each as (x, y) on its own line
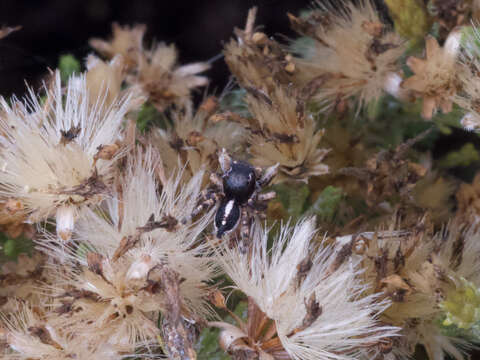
(238, 191)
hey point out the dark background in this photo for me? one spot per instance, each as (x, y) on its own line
(55, 27)
(198, 28)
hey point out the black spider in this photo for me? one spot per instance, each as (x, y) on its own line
(237, 189)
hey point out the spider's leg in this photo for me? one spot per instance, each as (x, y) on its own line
(245, 230)
(253, 199)
(225, 161)
(267, 196)
(216, 180)
(208, 199)
(268, 175)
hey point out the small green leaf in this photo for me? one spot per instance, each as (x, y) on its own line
(293, 198)
(208, 347)
(327, 203)
(68, 65)
(235, 101)
(463, 157)
(410, 17)
(10, 248)
(149, 116)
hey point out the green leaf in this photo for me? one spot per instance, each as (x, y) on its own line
(208, 347)
(293, 198)
(327, 203)
(410, 17)
(463, 157)
(68, 65)
(235, 101)
(11, 248)
(303, 46)
(148, 117)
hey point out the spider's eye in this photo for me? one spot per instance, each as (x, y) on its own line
(227, 217)
(239, 182)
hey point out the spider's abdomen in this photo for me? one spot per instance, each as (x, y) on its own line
(227, 217)
(239, 182)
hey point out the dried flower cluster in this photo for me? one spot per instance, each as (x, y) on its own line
(353, 55)
(297, 296)
(145, 208)
(427, 277)
(154, 70)
(435, 76)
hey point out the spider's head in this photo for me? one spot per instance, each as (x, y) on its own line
(239, 181)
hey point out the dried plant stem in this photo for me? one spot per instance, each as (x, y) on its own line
(177, 340)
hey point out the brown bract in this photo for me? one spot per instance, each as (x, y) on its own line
(351, 53)
(13, 217)
(195, 138)
(435, 76)
(256, 60)
(451, 13)
(256, 338)
(155, 71)
(163, 80)
(126, 41)
(7, 30)
(282, 132)
(468, 201)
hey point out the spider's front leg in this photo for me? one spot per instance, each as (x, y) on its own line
(268, 175)
(257, 200)
(245, 230)
(217, 181)
(208, 199)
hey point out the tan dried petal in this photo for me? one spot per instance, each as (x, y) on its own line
(7, 30)
(106, 152)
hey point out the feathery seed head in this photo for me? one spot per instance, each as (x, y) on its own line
(421, 273)
(117, 288)
(126, 41)
(48, 150)
(352, 54)
(284, 133)
(435, 78)
(318, 306)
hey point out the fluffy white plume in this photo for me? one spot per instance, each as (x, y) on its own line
(346, 326)
(48, 150)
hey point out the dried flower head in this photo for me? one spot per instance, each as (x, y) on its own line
(352, 54)
(118, 287)
(281, 131)
(49, 151)
(450, 13)
(256, 60)
(104, 79)
(163, 80)
(20, 280)
(468, 98)
(126, 41)
(195, 137)
(468, 201)
(155, 71)
(389, 178)
(423, 274)
(435, 78)
(310, 302)
(29, 335)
